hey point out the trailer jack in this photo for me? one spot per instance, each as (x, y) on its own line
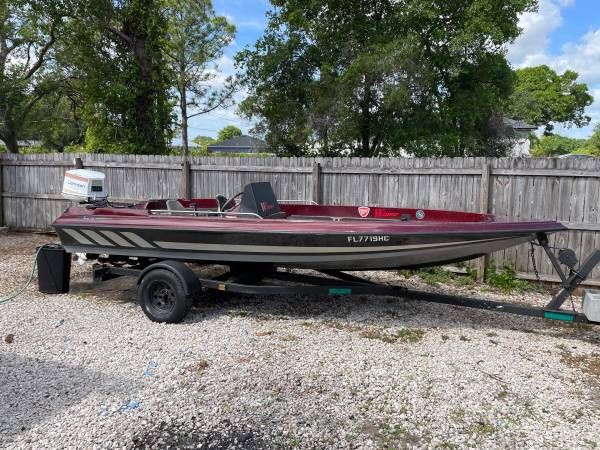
(569, 282)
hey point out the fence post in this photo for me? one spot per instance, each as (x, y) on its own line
(186, 187)
(316, 183)
(484, 208)
(78, 163)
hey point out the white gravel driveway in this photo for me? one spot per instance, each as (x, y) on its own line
(89, 370)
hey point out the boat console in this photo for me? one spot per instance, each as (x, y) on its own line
(259, 199)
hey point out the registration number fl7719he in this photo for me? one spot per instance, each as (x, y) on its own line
(367, 238)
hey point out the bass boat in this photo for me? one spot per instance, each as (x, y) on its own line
(253, 227)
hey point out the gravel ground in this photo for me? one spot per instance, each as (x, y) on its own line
(89, 370)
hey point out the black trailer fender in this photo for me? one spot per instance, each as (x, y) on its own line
(189, 280)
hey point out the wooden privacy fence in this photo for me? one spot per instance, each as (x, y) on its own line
(567, 190)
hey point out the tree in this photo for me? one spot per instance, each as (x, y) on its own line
(203, 142)
(542, 97)
(228, 132)
(56, 119)
(196, 39)
(594, 141)
(28, 31)
(556, 145)
(591, 146)
(373, 77)
(117, 51)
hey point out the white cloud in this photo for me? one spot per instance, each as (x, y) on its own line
(537, 27)
(252, 23)
(581, 55)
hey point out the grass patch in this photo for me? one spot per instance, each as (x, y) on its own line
(448, 446)
(435, 275)
(588, 364)
(458, 416)
(396, 437)
(505, 280)
(410, 335)
(342, 326)
(589, 443)
(378, 335)
(501, 395)
(482, 428)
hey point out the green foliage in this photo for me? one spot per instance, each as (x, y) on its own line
(28, 31)
(555, 145)
(592, 145)
(542, 97)
(117, 50)
(505, 279)
(203, 142)
(437, 275)
(370, 78)
(55, 119)
(228, 132)
(434, 275)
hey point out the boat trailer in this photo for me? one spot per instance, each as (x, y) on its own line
(167, 288)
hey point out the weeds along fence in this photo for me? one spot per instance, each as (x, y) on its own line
(567, 190)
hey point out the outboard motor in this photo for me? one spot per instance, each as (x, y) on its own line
(84, 185)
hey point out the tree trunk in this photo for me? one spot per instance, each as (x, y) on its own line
(184, 122)
(9, 137)
(365, 123)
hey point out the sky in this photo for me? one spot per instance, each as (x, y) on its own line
(564, 34)
(249, 17)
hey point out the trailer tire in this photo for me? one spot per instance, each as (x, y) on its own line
(163, 297)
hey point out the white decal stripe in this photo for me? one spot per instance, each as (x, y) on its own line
(78, 236)
(137, 240)
(291, 249)
(116, 238)
(96, 237)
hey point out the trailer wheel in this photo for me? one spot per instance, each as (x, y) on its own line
(162, 296)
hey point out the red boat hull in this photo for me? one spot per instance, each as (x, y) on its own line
(317, 237)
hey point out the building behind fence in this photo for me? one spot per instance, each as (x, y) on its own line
(541, 188)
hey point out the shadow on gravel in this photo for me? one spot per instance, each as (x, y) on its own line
(383, 311)
(386, 311)
(120, 290)
(32, 390)
(187, 436)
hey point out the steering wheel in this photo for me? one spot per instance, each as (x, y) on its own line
(226, 207)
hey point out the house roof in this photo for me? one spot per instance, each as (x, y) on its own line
(241, 142)
(518, 124)
(29, 143)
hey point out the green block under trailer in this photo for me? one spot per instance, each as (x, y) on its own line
(166, 289)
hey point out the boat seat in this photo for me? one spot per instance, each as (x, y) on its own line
(221, 201)
(175, 208)
(259, 199)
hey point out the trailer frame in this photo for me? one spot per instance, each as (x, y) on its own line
(269, 280)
